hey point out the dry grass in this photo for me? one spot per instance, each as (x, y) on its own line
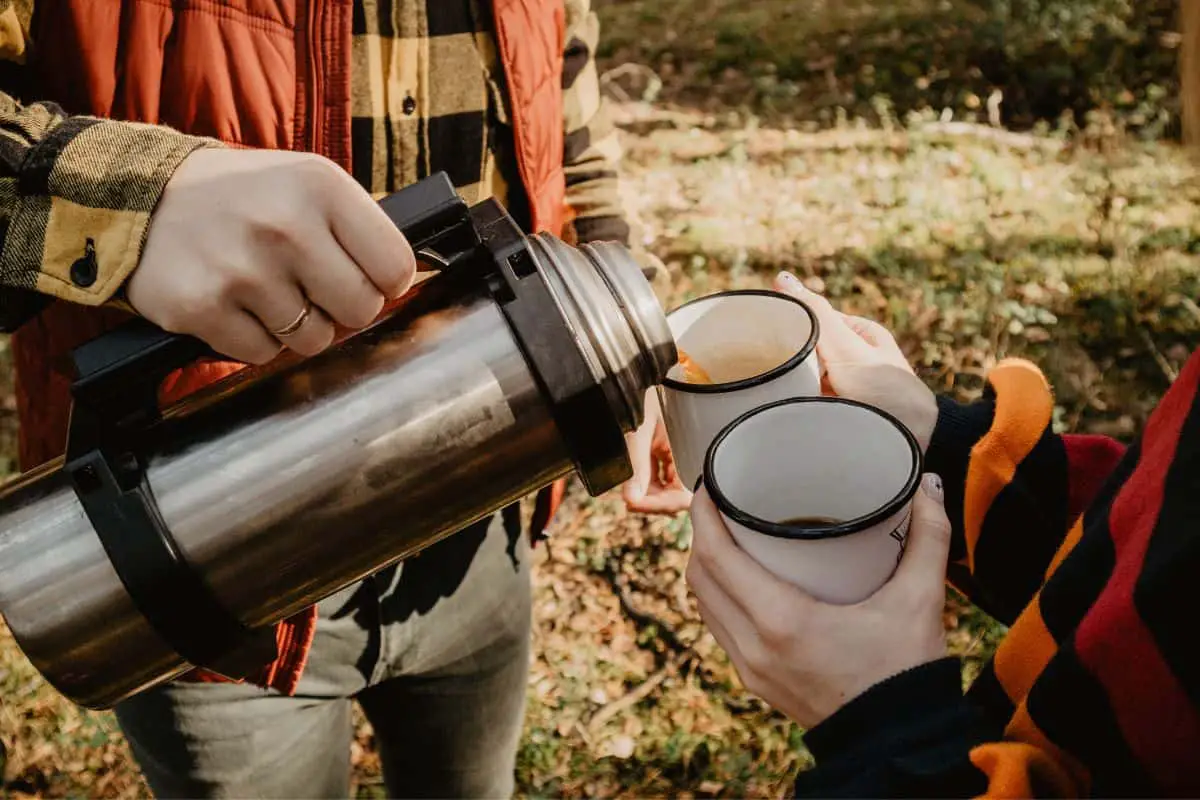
(970, 246)
(1076, 248)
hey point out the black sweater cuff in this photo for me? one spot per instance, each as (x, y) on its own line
(959, 427)
(907, 736)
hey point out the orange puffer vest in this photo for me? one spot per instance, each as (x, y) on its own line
(253, 73)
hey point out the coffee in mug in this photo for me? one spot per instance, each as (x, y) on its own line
(819, 491)
(738, 350)
(811, 522)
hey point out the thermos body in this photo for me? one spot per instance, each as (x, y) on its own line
(279, 487)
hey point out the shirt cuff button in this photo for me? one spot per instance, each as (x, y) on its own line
(85, 270)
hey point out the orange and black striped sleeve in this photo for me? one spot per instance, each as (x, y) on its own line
(1090, 552)
(76, 193)
(1014, 488)
(1008, 492)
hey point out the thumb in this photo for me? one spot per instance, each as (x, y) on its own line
(923, 566)
(838, 341)
(878, 336)
(638, 443)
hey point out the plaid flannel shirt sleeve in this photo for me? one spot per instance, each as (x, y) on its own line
(76, 193)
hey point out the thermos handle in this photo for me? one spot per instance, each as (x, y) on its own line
(115, 393)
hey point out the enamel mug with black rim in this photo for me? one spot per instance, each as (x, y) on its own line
(819, 491)
(757, 346)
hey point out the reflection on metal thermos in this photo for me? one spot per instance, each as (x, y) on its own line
(163, 541)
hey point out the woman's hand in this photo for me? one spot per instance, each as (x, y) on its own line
(807, 658)
(863, 362)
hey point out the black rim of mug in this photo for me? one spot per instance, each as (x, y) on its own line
(779, 530)
(794, 361)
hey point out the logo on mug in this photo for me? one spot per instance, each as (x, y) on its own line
(900, 534)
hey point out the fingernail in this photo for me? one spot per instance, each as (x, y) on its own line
(789, 278)
(932, 484)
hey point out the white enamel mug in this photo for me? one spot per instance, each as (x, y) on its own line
(819, 491)
(757, 346)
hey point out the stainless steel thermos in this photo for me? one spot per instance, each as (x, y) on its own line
(166, 540)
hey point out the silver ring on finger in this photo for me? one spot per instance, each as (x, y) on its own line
(297, 323)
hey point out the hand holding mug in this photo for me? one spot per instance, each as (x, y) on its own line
(808, 658)
(863, 362)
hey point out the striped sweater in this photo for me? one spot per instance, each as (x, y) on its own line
(1089, 552)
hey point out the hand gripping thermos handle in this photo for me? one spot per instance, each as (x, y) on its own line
(429, 213)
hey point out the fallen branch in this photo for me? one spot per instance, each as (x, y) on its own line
(1168, 370)
(638, 693)
(1011, 139)
(1191, 306)
(763, 144)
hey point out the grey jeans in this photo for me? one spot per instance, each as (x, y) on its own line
(436, 651)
